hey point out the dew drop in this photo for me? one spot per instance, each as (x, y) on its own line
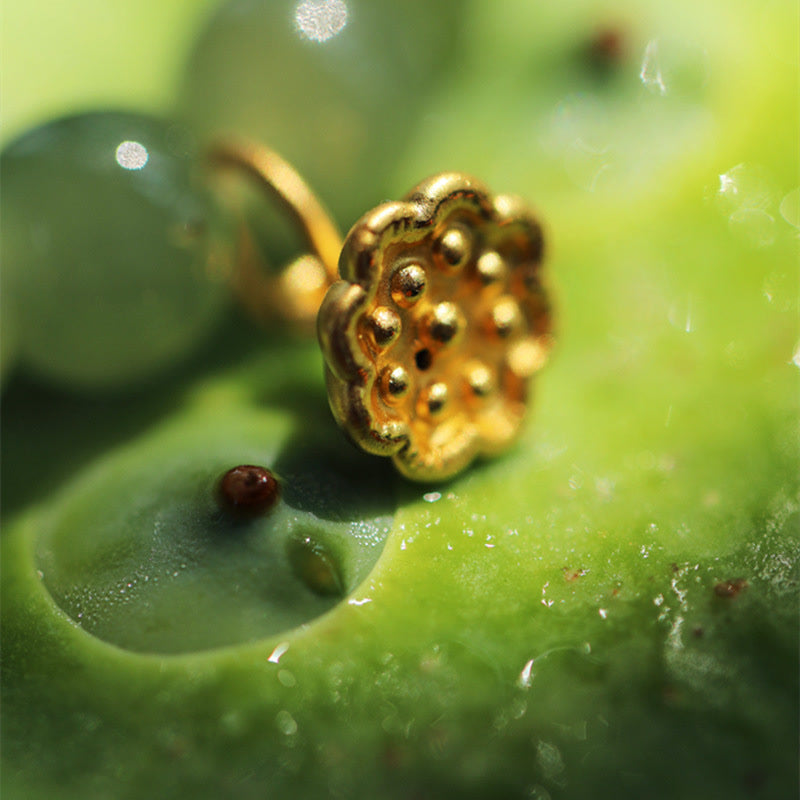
(316, 567)
(286, 723)
(790, 208)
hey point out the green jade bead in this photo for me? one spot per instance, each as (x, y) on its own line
(115, 257)
(338, 88)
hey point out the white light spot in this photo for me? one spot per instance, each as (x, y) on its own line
(602, 612)
(796, 356)
(526, 676)
(432, 497)
(320, 20)
(131, 155)
(362, 602)
(279, 650)
(650, 73)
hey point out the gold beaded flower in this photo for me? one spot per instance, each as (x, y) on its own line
(437, 324)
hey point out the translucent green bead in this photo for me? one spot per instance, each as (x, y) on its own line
(336, 86)
(114, 255)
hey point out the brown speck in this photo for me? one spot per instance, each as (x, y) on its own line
(248, 490)
(571, 575)
(698, 632)
(606, 48)
(730, 588)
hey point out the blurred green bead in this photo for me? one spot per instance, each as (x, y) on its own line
(336, 87)
(114, 254)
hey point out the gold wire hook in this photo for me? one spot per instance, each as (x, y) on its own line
(298, 290)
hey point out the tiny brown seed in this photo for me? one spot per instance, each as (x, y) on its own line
(249, 490)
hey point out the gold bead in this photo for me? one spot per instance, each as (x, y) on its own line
(455, 247)
(480, 379)
(408, 285)
(506, 317)
(395, 382)
(385, 326)
(445, 323)
(433, 399)
(491, 268)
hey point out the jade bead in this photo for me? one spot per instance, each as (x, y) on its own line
(338, 88)
(114, 254)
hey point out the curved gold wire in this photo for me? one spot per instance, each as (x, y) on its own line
(297, 291)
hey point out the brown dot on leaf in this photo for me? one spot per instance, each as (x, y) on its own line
(248, 490)
(606, 48)
(730, 588)
(571, 575)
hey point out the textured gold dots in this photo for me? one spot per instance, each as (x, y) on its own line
(408, 285)
(385, 326)
(527, 357)
(506, 317)
(455, 247)
(433, 399)
(445, 322)
(491, 268)
(480, 379)
(438, 319)
(395, 382)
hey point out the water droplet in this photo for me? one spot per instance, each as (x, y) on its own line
(432, 497)
(287, 678)
(316, 566)
(753, 225)
(790, 208)
(650, 73)
(551, 762)
(674, 66)
(279, 650)
(286, 723)
(603, 613)
(526, 676)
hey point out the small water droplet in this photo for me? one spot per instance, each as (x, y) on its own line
(674, 66)
(287, 678)
(286, 723)
(753, 225)
(526, 676)
(790, 208)
(316, 566)
(278, 652)
(603, 613)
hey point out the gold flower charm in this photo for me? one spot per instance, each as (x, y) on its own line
(437, 324)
